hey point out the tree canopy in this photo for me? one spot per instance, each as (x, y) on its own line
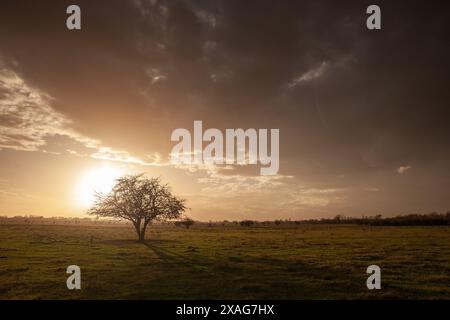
(140, 200)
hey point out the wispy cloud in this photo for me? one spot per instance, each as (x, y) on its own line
(259, 196)
(155, 75)
(107, 153)
(28, 122)
(27, 118)
(314, 198)
(264, 187)
(206, 17)
(220, 183)
(403, 169)
(310, 75)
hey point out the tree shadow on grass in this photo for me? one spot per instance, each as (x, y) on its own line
(170, 256)
(166, 255)
(128, 242)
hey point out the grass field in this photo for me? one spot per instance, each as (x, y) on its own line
(292, 262)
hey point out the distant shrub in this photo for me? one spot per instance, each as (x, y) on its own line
(246, 223)
(187, 223)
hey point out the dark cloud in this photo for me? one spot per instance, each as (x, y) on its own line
(353, 105)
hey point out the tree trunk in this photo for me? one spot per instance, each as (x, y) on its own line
(137, 227)
(142, 232)
(142, 236)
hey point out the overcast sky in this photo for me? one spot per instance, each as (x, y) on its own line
(363, 115)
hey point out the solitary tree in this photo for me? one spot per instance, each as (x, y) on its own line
(140, 200)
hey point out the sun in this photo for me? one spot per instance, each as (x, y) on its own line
(99, 179)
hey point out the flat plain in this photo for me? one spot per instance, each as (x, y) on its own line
(224, 262)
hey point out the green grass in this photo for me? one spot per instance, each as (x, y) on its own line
(286, 262)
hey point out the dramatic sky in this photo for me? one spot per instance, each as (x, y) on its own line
(363, 115)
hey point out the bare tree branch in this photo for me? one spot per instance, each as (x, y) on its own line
(140, 200)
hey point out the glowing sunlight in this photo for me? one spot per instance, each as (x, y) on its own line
(99, 179)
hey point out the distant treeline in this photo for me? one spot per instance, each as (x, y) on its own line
(34, 219)
(430, 219)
